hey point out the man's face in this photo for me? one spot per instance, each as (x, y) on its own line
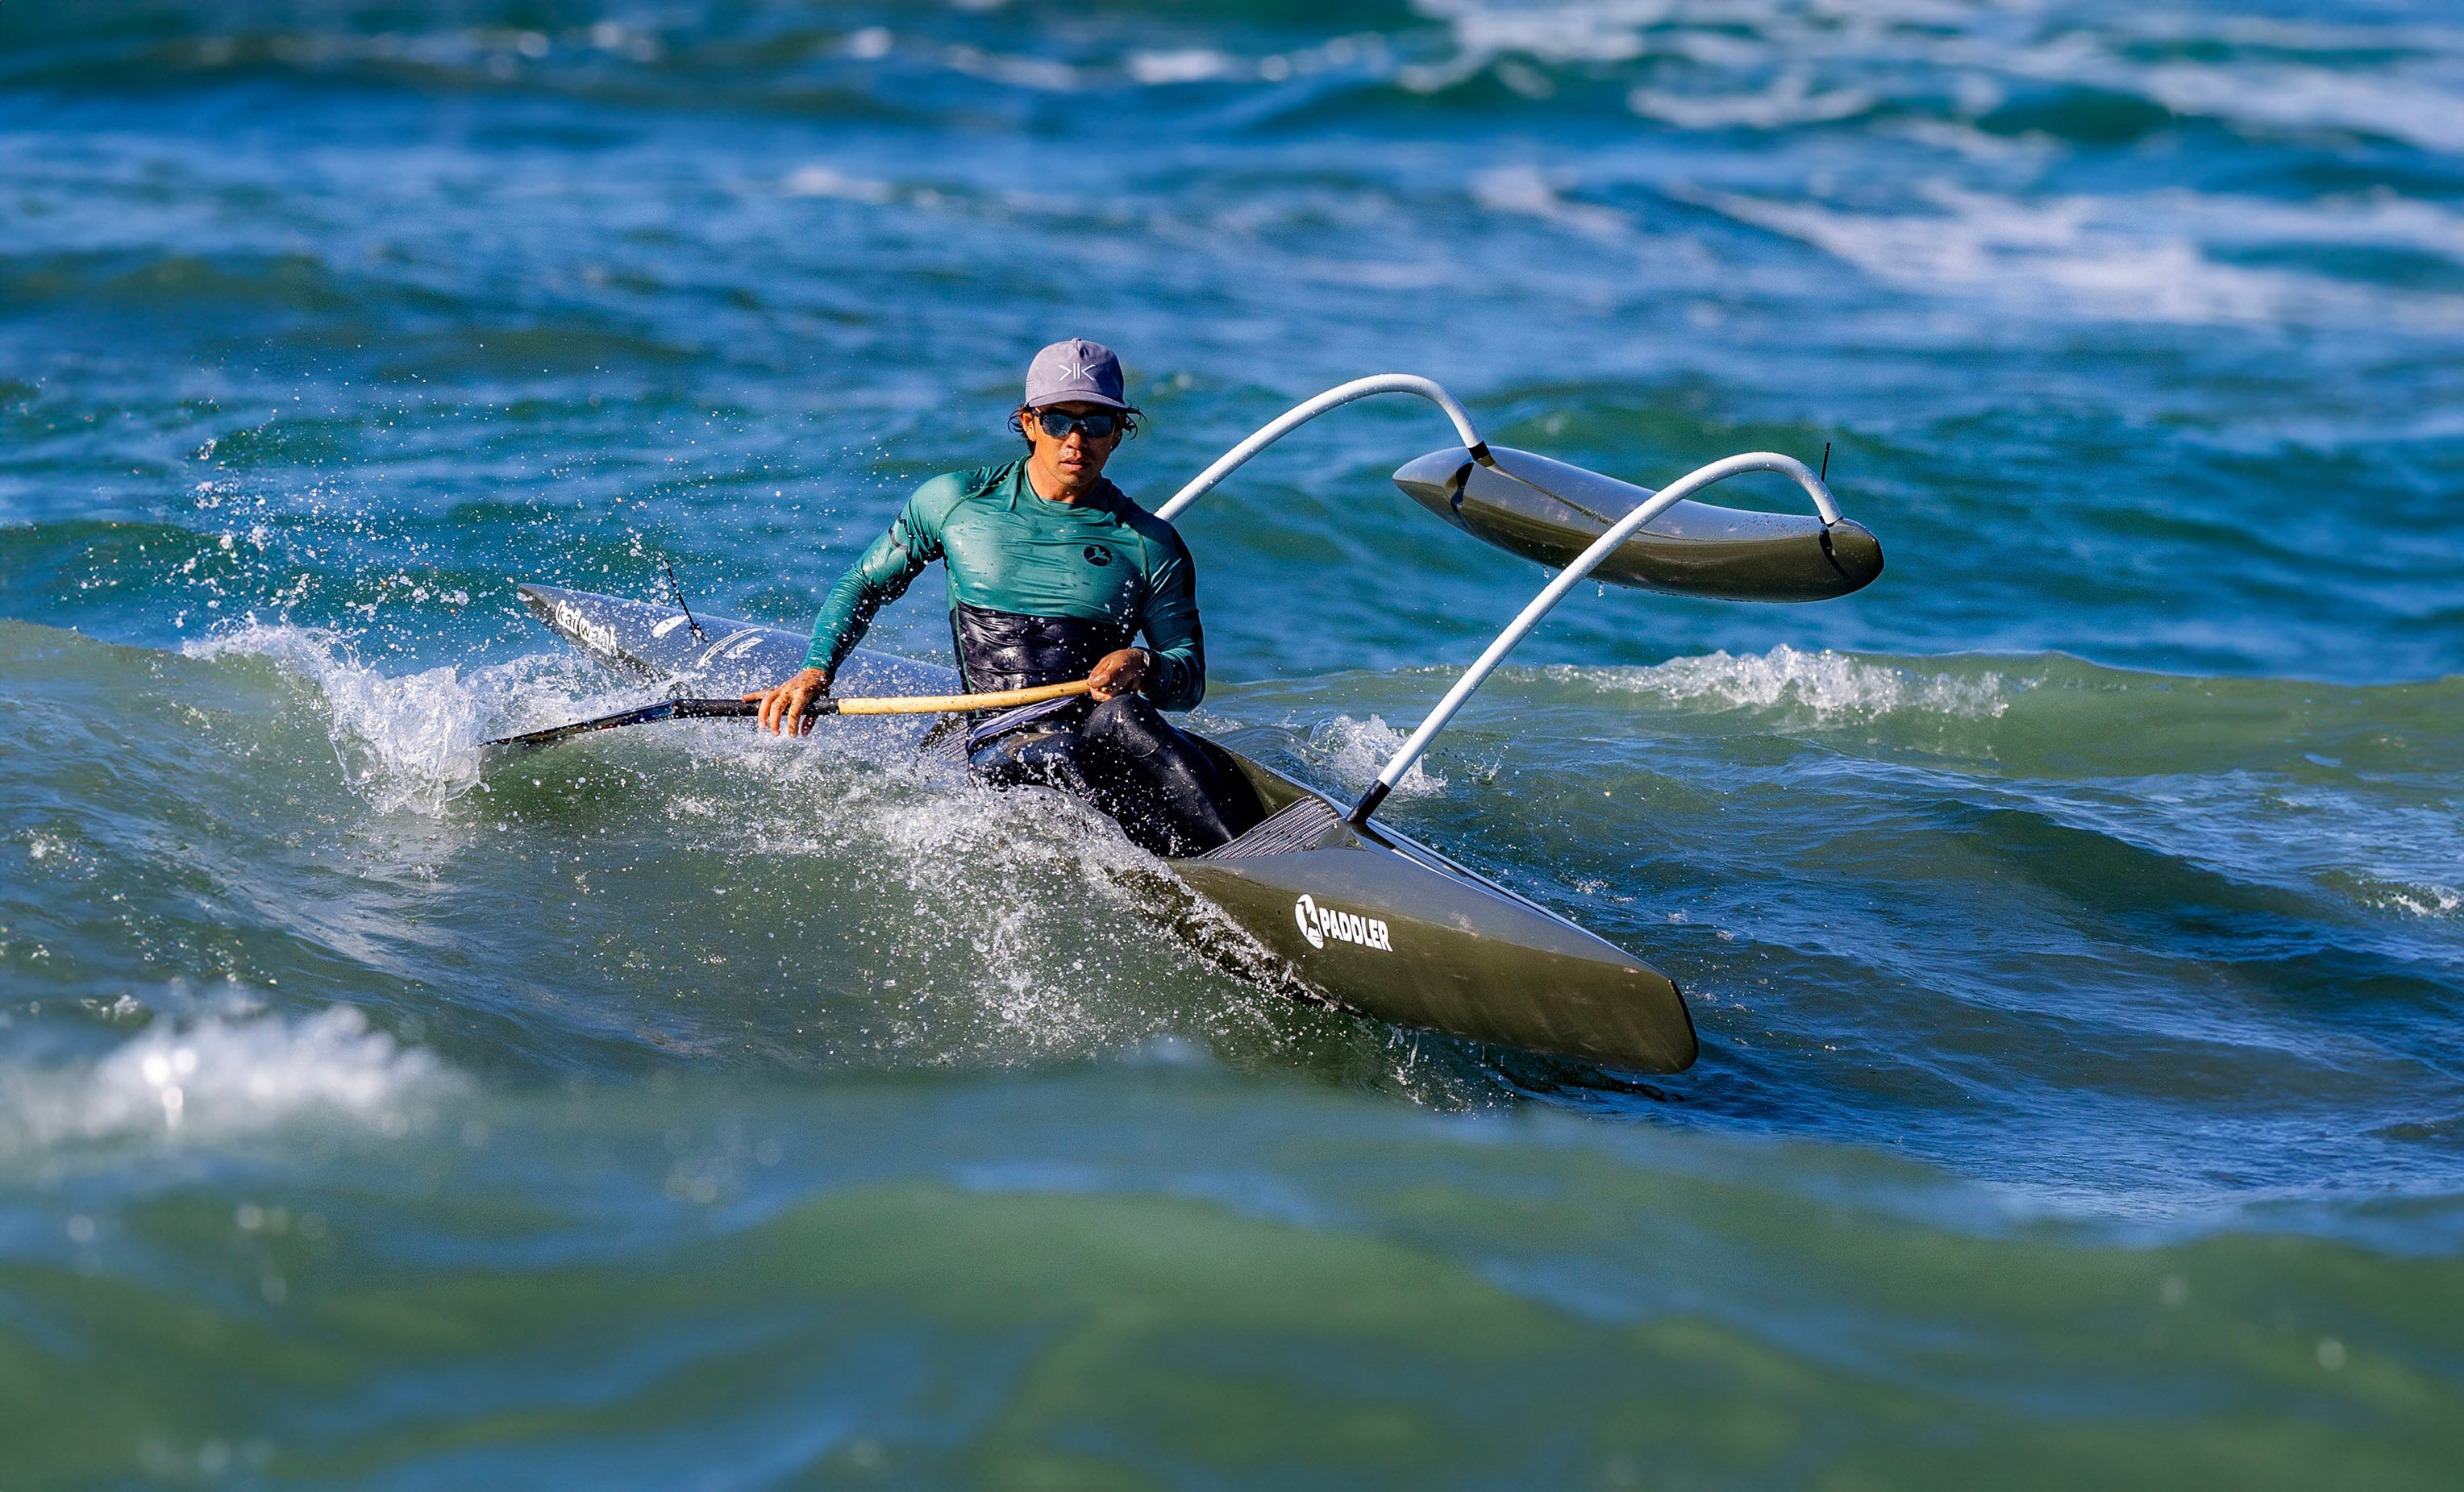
(1076, 457)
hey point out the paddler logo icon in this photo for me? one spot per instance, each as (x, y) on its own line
(1320, 923)
(1097, 554)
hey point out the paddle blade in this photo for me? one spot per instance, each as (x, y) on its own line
(493, 753)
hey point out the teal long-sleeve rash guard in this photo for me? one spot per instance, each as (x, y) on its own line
(1103, 560)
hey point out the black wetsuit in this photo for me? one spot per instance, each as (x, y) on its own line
(1040, 592)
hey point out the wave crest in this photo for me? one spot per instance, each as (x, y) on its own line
(220, 1078)
(405, 741)
(1830, 685)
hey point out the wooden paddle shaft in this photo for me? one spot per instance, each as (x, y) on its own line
(730, 709)
(945, 703)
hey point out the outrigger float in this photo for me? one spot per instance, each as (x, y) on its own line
(1353, 913)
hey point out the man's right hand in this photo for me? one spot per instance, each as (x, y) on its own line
(783, 706)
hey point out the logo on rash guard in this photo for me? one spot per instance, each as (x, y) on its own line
(1098, 555)
(1320, 923)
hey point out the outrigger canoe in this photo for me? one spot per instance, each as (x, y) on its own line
(1360, 915)
(1350, 910)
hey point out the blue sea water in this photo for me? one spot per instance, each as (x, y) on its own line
(2074, 920)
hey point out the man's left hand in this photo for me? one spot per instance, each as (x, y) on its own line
(1118, 673)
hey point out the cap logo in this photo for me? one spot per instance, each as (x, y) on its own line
(1074, 369)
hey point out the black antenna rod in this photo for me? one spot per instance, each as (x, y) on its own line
(680, 596)
(1824, 475)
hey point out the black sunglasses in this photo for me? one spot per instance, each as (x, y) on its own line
(1058, 425)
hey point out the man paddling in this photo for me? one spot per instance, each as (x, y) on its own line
(1052, 572)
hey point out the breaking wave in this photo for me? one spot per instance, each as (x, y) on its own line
(2166, 256)
(2404, 897)
(411, 741)
(1831, 686)
(220, 1077)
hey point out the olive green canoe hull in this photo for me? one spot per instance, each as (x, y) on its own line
(1693, 549)
(1374, 922)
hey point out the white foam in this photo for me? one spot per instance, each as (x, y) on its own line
(2402, 101)
(1018, 863)
(1595, 31)
(406, 741)
(821, 181)
(2134, 258)
(1524, 191)
(1353, 751)
(218, 1078)
(2424, 900)
(1195, 65)
(1015, 70)
(1789, 98)
(1756, 62)
(1829, 685)
(1016, 880)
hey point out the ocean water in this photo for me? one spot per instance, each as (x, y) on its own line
(2074, 920)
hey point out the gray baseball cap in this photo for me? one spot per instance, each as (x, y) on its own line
(1074, 372)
